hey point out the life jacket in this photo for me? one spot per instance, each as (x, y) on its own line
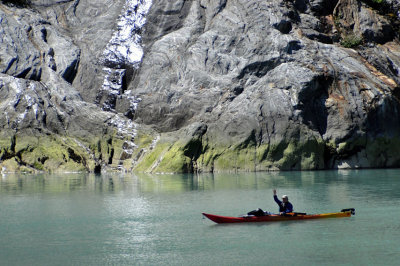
(283, 207)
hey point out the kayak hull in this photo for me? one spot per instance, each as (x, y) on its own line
(276, 217)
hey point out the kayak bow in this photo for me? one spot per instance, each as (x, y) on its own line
(276, 217)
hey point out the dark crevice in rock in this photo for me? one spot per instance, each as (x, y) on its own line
(382, 7)
(283, 26)
(193, 149)
(127, 78)
(301, 5)
(259, 68)
(97, 168)
(222, 6)
(293, 46)
(238, 90)
(44, 35)
(312, 103)
(323, 7)
(18, 3)
(50, 3)
(6, 154)
(321, 38)
(10, 64)
(396, 93)
(329, 156)
(43, 159)
(110, 157)
(387, 34)
(13, 144)
(73, 156)
(71, 71)
(24, 73)
(294, 16)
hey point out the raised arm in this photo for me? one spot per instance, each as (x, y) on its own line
(276, 198)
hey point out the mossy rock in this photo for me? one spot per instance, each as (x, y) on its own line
(143, 140)
(55, 153)
(236, 160)
(383, 152)
(174, 161)
(150, 159)
(200, 155)
(10, 165)
(52, 154)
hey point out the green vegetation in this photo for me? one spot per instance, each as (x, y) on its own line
(197, 154)
(351, 41)
(151, 158)
(24, 153)
(31, 154)
(307, 153)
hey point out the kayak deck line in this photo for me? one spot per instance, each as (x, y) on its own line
(276, 217)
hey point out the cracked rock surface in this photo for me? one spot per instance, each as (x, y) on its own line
(225, 85)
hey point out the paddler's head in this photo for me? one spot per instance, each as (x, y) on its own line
(285, 198)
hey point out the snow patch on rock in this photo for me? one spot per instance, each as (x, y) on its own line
(124, 51)
(125, 46)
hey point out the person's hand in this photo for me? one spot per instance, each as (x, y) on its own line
(274, 192)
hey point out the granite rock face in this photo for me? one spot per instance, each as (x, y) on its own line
(270, 84)
(46, 124)
(184, 86)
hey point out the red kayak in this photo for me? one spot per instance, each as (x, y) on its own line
(276, 217)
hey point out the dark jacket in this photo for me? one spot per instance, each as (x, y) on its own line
(283, 207)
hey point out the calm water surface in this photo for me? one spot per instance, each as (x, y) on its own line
(77, 219)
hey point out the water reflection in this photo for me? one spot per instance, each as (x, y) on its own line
(325, 182)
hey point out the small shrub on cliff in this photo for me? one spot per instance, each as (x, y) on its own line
(19, 3)
(351, 41)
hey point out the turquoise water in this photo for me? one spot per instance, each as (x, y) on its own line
(77, 219)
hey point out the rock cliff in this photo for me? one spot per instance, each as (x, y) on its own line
(200, 85)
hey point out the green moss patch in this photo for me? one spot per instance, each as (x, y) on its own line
(151, 158)
(175, 160)
(200, 155)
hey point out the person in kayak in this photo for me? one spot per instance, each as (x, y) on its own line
(284, 206)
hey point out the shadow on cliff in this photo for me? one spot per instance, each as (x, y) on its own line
(312, 103)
